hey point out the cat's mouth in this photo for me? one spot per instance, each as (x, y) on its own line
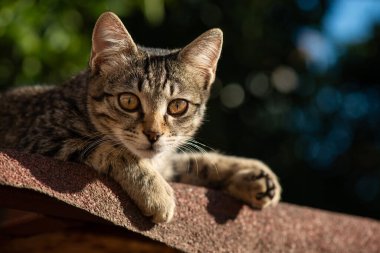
(150, 148)
(149, 151)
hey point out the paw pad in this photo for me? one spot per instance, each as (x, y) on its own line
(269, 187)
(257, 187)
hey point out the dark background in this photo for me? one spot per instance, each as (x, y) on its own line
(298, 80)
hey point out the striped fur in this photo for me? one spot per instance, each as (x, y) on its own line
(83, 120)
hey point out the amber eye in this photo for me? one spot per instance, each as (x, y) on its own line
(177, 107)
(129, 102)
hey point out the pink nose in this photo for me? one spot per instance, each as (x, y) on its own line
(152, 136)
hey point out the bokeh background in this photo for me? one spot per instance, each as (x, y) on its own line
(298, 81)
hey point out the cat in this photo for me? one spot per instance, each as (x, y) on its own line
(128, 114)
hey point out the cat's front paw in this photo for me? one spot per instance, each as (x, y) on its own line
(159, 202)
(257, 185)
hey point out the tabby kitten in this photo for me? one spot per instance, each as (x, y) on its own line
(128, 114)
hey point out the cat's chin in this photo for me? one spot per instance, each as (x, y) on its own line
(143, 151)
(148, 153)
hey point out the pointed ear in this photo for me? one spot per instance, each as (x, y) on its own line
(203, 53)
(110, 43)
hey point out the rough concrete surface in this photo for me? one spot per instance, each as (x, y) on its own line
(205, 220)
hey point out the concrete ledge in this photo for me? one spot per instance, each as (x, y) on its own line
(205, 220)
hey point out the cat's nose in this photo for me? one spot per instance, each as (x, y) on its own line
(152, 136)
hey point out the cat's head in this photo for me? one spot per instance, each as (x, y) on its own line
(149, 100)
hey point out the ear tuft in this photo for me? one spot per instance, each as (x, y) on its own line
(203, 53)
(110, 39)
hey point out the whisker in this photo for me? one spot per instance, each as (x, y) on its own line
(199, 143)
(203, 152)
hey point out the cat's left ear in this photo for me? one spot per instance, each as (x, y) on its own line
(110, 43)
(203, 53)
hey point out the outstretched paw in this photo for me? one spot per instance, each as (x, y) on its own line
(257, 186)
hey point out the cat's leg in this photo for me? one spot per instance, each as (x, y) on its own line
(144, 184)
(246, 179)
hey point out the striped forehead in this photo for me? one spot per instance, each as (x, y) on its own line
(157, 79)
(168, 88)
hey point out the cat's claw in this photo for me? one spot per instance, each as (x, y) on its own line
(258, 187)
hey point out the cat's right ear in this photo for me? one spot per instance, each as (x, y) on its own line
(203, 54)
(111, 43)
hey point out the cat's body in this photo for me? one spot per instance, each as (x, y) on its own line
(127, 115)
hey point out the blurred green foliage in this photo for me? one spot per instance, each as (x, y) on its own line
(47, 41)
